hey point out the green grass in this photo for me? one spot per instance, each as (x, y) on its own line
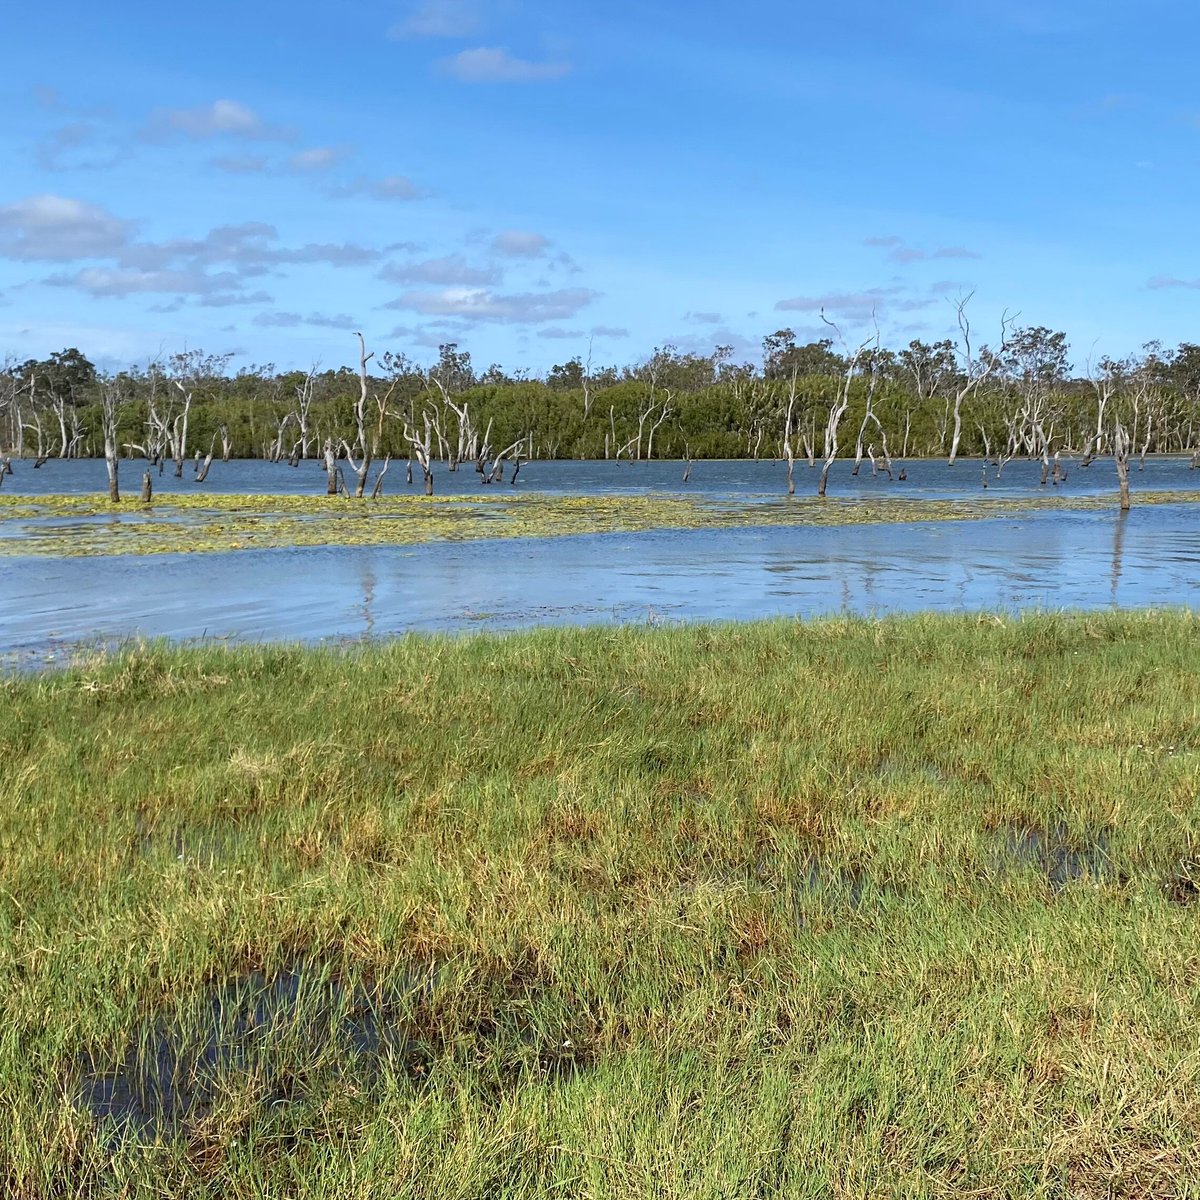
(89, 525)
(851, 909)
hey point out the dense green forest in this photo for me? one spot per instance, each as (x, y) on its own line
(814, 401)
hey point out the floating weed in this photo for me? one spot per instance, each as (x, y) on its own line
(72, 525)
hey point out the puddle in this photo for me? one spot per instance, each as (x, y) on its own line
(282, 1039)
(279, 1034)
(1060, 856)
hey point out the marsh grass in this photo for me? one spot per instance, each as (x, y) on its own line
(853, 908)
(215, 522)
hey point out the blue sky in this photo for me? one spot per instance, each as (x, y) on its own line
(526, 179)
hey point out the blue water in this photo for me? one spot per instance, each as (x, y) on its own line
(1148, 558)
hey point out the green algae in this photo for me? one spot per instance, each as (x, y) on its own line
(88, 525)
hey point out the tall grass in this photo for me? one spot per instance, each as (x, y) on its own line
(851, 908)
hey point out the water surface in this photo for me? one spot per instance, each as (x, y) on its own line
(1149, 557)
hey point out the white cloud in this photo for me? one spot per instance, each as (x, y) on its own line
(609, 331)
(51, 228)
(494, 64)
(438, 19)
(480, 304)
(559, 333)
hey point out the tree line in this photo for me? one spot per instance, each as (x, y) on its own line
(817, 401)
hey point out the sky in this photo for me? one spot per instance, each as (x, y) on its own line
(541, 181)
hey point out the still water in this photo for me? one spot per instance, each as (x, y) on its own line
(1149, 557)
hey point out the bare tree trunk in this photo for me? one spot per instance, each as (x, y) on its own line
(330, 469)
(1121, 461)
(202, 472)
(377, 490)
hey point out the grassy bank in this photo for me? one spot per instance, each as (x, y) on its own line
(89, 525)
(848, 909)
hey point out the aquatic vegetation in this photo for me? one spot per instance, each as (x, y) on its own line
(848, 908)
(89, 525)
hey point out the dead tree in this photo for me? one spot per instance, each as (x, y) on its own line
(420, 444)
(841, 400)
(189, 371)
(974, 369)
(111, 402)
(366, 446)
(789, 428)
(1121, 462)
(1105, 384)
(304, 398)
(869, 418)
(202, 468)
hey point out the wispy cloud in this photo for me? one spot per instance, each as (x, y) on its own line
(1159, 282)
(289, 320)
(391, 187)
(240, 164)
(221, 118)
(901, 252)
(453, 269)
(319, 158)
(439, 19)
(516, 243)
(481, 304)
(494, 64)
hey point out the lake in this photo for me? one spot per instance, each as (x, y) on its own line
(1045, 559)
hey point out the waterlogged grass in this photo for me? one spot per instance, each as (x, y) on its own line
(845, 909)
(89, 525)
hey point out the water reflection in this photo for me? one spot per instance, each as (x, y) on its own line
(1119, 527)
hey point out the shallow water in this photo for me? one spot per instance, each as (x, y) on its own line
(1148, 558)
(742, 479)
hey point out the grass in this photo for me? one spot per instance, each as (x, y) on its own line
(853, 908)
(61, 525)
